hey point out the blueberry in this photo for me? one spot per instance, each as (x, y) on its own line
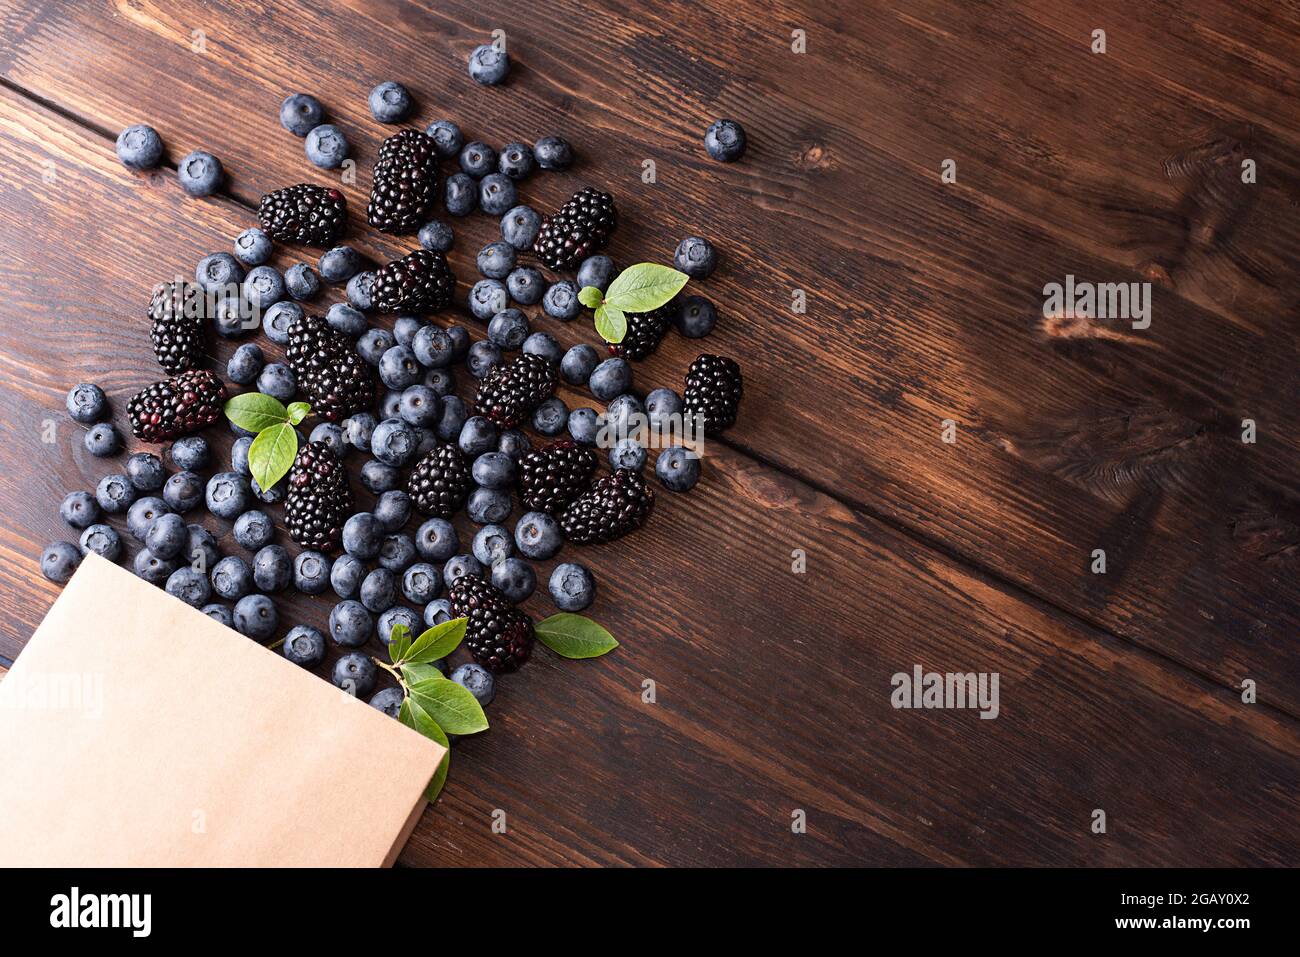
(515, 578)
(86, 403)
(724, 140)
(428, 441)
(460, 195)
(420, 406)
(492, 543)
(304, 645)
(311, 573)
(351, 321)
(239, 455)
(520, 226)
(246, 364)
(139, 147)
(326, 146)
(153, 569)
(362, 536)
(300, 113)
(436, 236)
(394, 616)
(393, 442)
(553, 153)
(146, 472)
(219, 612)
(253, 247)
(478, 159)
(379, 478)
(256, 617)
(331, 433)
(483, 355)
(497, 194)
(611, 378)
(200, 548)
(360, 290)
(478, 435)
(142, 514)
(508, 329)
(388, 700)
(488, 506)
(184, 491)
(397, 553)
(189, 586)
(277, 319)
(437, 612)
(696, 257)
(373, 343)
(678, 468)
(496, 259)
(278, 381)
(103, 440)
(436, 540)
(584, 424)
(695, 317)
(433, 348)
(398, 367)
(199, 173)
(301, 281)
(350, 623)
(253, 530)
(516, 161)
(219, 273)
(660, 407)
(526, 285)
(346, 575)
(405, 328)
(390, 406)
(190, 452)
(488, 297)
(115, 493)
(459, 341)
(392, 510)
(627, 454)
(560, 301)
(596, 271)
(340, 264)
(458, 566)
(79, 509)
(103, 540)
(232, 579)
(452, 420)
(390, 102)
(228, 496)
(447, 138)
(235, 316)
(538, 536)
(355, 673)
(513, 443)
(488, 65)
(421, 583)
(167, 536)
(572, 587)
(494, 470)
(478, 681)
(272, 568)
(625, 415)
(578, 363)
(551, 416)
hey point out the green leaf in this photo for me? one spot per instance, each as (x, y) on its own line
(414, 673)
(399, 641)
(438, 642)
(644, 286)
(449, 704)
(271, 455)
(590, 296)
(297, 411)
(413, 716)
(573, 636)
(611, 323)
(255, 411)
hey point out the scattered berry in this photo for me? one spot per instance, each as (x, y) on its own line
(301, 281)
(696, 257)
(219, 612)
(253, 247)
(514, 578)
(340, 264)
(394, 616)
(572, 587)
(246, 364)
(421, 281)
(79, 509)
(300, 113)
(278, 381)
(498, 635)
(713, 390)
(579, 363)
(232, 579)
(458, 566)
(87, 403)
(497, 194)
(492, 543)
(190, 586)
(346, 575)
(360, 290)
(272, 568)
(526, 285)
(596, 271)
(153, 569)
(333, 376)
(227, 495)
(256, 617)
(363, 535)
(550, 417)
(139, 147)
(610, 379)
(615, 505)
(478, 681)
(516, 161)
(176, 313)
(437, 612)
(629, 454)
(307, 214)
(355, 673)
(695, 317)
(421, 583)
(304, 645)
(115, 493)
(447, 138)
(724, 140)
(311, 573)
(388, 700)
(460, 195)
(199, 173)
(478, 159)
(508, 329)
(318, 499)
(142, 513)
(584, 425)
(103, 440)
(437, 236)
(103, 540)
(678, 468)
(404, 188)
(553, 153)
(436, 540)
(167, 536)
(190, 453)
(326, 146)
(253, 530)
(389, 102)
(183, 491)
(488, 65)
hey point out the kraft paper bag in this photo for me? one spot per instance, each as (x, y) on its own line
(137, 731)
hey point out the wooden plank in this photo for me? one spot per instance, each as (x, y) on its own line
(772, 688)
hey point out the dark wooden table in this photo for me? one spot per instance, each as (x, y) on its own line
(1120, 691)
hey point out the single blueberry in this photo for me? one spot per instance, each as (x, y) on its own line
(389, 102)
(515, 578)
(572, 587)
(256, 617)
(139, 147)
(579, 363)
(538, 536)
(553, 153)
(304, 645)
(326, 146)
(436, 540)
(199, 173)
(189, 586)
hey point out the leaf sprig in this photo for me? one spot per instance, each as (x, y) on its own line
(276, 445)
(638, 288)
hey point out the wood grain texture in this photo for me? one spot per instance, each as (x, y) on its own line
(773, 688)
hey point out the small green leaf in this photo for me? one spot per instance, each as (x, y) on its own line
(644, 286)
(449, 704)
(255, 411)
(413, 716)
(438, 642)
(297, 411)
(590, 296)
(399, 641)
(573, 636)
(414, 673)
(611, 323)
(272, 453)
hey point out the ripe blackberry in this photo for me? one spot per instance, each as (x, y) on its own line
(328, 369)
(418, 282)
(645, 330)
(508, 392)
(176, 406)
(440, 481)
(615, 505)
(581, 227)
(551, 477)
(319, 499)
(177, 311)
(498, 635)
(404, 188)
(306, 213)
(713, 390)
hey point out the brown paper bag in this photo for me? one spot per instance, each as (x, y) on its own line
(136, 731)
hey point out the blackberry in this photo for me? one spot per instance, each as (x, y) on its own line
(713, 390)
(328, 369)
(645, 330)
(551, 477)
(177, 406)
(581, 227)
(509, 392)
(404, 188)
(498, 635)
(615, 505)
(440, 481)
(177, 312)
(420, 281)
(319, 500)
(306, 213)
